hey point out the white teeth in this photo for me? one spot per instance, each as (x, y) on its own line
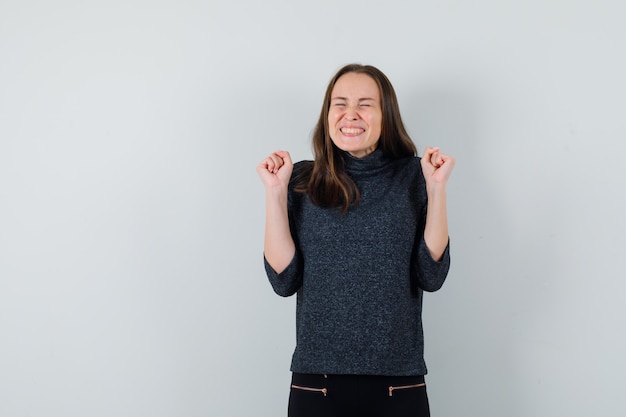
(351, 131)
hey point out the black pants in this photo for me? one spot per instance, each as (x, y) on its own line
(357, 396)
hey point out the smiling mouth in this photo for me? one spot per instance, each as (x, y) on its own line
(352, 130)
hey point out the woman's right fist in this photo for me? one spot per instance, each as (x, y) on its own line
(275, 170)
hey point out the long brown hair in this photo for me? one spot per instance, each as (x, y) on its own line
(326, 181)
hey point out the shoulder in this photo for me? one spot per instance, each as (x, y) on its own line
(302, 166)
(410, 165)
(408, 175)
(299, 180)
(411, 161)
(301, 172)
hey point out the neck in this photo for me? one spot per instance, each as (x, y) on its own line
(363, 152)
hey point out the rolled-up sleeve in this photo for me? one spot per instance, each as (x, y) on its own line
(431, 274)
(289, 281)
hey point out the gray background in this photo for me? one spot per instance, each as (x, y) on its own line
(131, 216)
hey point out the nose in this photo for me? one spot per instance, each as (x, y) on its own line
(351, 113)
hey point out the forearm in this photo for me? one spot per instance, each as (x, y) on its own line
(436, 229)
(279, 247)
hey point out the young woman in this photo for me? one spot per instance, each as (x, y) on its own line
(359, 233)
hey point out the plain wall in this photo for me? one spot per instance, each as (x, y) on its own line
(131, 216)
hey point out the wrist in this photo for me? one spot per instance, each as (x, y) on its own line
(276, 196)
(435, 189)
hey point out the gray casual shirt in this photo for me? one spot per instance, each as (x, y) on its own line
(360, 276)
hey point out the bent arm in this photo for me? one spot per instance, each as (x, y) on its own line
(275, 172)
(436, 168)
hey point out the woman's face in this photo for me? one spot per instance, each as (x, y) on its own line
(355, 115)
